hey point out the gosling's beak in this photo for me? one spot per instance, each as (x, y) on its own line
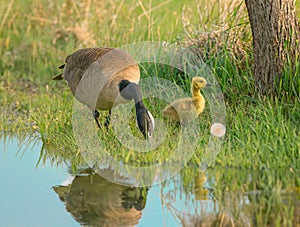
(208, 85)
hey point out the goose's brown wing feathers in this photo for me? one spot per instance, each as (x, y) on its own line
(83, 58)
(104, 69)
(78, 62)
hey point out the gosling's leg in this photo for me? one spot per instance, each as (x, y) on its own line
(96, 116)
(107, 121)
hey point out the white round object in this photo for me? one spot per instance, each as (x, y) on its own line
(218, 129)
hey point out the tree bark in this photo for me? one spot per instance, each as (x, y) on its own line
(275, 32)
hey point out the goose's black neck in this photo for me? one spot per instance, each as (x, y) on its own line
(129, 90)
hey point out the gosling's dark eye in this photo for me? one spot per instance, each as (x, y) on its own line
(201, 81)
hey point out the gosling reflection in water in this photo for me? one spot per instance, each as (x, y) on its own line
(92, 200)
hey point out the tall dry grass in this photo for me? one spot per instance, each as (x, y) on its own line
(223, 27)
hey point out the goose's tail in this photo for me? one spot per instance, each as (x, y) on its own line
(60, 76)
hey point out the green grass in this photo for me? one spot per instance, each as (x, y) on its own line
(37, 38)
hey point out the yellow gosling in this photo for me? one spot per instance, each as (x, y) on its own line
(183, 109)
(200, 192)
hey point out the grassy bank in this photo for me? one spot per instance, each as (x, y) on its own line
(262, 132)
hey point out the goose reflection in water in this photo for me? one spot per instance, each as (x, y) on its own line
(93, 200)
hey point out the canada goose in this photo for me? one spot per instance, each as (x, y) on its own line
(102, 78)
(95, 201)
(182, 109)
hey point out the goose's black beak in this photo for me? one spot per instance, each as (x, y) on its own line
(145, 123)
(208, 85)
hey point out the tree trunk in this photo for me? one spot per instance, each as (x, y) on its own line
(275, 34)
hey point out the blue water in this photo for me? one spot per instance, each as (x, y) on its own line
(27, 197)
(25, 192)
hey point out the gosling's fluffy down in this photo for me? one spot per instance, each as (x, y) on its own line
(186, 109)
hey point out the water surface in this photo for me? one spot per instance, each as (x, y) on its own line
(37, 193)
(26, 196)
